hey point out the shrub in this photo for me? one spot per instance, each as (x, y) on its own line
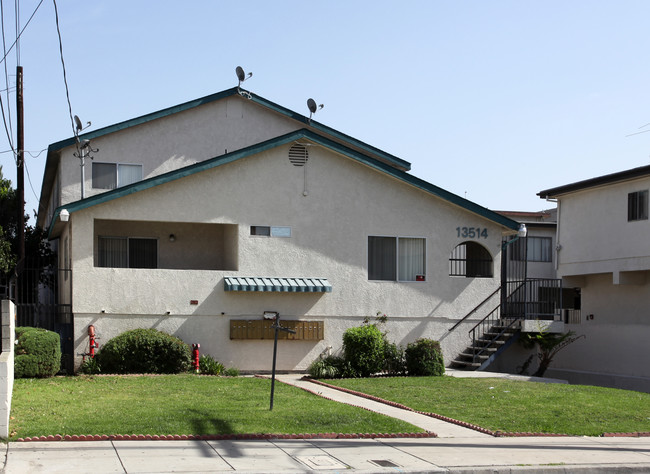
(394, 361)
(90, 366)
(424, 357)
(37, 353)
(231, 372)
(330, 367)
(209, 366)
(364, 349)
(141, 351)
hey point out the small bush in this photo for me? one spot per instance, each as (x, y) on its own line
(394, 361)
(90, 366)
(424, 357)
(330, 367)
(209, 366)
(231, 372)
(37, 353)
(364, 349)
(144, 351)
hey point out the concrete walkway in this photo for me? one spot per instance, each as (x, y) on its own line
(456, 449)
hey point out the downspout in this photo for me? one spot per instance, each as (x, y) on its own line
(558, 247)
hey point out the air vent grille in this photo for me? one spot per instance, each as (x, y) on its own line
(298, 155)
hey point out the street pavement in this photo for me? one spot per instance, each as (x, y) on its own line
(455, 449)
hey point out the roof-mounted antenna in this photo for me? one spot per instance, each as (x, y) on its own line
(83, 151)
(313, 108)
(242, 76)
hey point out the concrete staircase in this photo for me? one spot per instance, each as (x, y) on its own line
(485, 347)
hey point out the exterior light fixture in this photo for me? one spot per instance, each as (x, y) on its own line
(522, 232)
(64, 215)
(270, 315)
(172, 238)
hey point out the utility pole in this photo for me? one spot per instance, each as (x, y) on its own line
(20, 163)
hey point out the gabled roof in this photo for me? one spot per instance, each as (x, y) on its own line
(53, 152)
(313, 125)
(301, 134)
(598, 181)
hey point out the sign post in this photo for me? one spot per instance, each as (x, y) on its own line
(277, 327)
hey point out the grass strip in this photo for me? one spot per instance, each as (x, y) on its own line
(181, 404)
(514, 406)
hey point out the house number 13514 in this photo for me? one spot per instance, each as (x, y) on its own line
(472, 232)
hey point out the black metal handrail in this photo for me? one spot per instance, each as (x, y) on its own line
(476, 308)
(530, 299)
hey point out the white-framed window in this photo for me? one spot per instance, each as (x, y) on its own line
(115, 175)
(637, 206)
(533, 249)
(396, 258)
(271, 231)
(127, 252)
(471, 260)
(539, 249)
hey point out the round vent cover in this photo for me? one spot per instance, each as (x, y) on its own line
(298, 155)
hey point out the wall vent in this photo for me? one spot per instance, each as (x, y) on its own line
(298, 155)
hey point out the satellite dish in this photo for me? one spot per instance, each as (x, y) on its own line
(311, 103)
(77, 122)
(241, 75)
(313, 108)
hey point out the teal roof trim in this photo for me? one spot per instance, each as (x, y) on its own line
(281, 285)
(273, 143)
(398, 162)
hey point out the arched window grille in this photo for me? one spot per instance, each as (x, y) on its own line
(471, 260)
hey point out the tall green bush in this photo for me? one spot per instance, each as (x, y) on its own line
(37, 353)
(144, 351)
(363, 349)
(424, 357)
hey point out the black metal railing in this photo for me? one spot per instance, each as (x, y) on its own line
(523, 299)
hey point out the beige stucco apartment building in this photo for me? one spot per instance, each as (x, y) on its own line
(198, 219)
(603, 248)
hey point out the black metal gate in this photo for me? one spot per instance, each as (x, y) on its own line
(35, 290)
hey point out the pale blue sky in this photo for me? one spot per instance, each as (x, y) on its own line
(495, 99)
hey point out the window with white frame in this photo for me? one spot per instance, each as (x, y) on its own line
(127, 252)
(396, 258)
(539, 249)
(637, 206)
(115, 175)
(533, 249)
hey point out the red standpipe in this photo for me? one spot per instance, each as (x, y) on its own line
(93, 343)
(195, 357)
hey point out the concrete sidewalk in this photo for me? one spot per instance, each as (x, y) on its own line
(485, 455)
(456, 449)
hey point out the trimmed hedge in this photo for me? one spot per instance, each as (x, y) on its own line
(37, 353)
(144, 351)
(424, 357)
(364, 350)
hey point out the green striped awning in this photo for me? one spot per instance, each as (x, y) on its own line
(289, 285)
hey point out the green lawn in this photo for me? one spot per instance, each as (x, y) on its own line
(503, 405)
(180, 404)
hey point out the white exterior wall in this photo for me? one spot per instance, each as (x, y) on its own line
(609, 259)
(346, 203)
(175, 141)
(595, 235)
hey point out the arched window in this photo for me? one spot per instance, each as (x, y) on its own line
(471, 260)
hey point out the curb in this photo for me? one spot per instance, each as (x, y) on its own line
(246, 436)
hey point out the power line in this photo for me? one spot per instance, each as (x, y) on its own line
(22, 31)
(8, 129)
(65, 77)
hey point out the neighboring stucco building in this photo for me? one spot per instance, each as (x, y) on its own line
(604, 250)
(200, 218)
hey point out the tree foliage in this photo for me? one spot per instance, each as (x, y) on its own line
(548, 345)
